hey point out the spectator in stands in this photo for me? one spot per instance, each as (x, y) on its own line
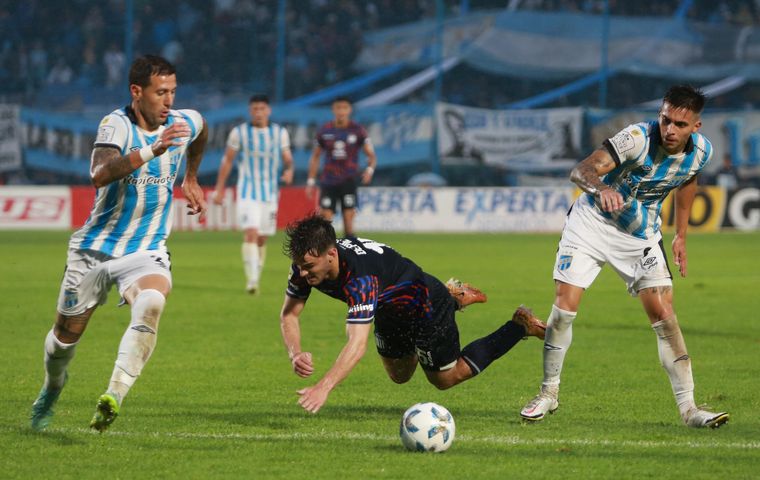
(727, 176)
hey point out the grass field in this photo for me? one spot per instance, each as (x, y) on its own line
(218, 397)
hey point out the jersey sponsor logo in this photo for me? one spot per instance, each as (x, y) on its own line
(105, 134)
(168, 179)
(361, 308)
(623, 142)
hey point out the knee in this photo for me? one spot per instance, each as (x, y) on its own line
(148, 306)
(399, 378)
(442, 383)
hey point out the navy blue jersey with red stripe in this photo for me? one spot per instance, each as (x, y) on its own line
(341, 151)
(374, 281)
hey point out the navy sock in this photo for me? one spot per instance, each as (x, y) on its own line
(480, 353)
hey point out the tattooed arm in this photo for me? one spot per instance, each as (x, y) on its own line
(108, 165)
(586, 175)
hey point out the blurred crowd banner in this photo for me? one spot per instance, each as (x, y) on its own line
(396, 209)
(530, 141)
(10, 138)
(525, 140)
(564, 45)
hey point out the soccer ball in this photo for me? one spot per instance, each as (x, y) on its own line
(427, 427)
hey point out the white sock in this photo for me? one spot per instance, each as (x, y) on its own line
(676, 362)
(138, 341)
(251, 261)
(559, 336)
(262, 257)
(57, 358)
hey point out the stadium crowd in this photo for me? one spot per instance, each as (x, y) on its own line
(50, 50)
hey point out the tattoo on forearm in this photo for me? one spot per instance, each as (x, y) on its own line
(108, 165)
(585, 176)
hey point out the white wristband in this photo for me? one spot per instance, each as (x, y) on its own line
(311, 182)
(370, 170)
(146, 153)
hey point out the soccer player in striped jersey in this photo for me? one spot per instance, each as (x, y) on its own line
(340, 140)
(259, 146)
(617, 221)
(413, 312)
(138, 151)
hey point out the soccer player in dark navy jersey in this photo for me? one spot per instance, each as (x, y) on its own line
(340, 140)
(413, 312)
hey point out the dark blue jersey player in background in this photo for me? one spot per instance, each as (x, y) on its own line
(413, 312)
(340, 140)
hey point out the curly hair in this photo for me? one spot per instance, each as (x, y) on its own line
(312, 235)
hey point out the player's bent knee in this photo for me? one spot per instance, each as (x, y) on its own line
(148, 305)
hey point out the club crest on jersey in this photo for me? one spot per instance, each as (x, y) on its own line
(564, 262)
(70, 298)
(623, 142)
(351, 138)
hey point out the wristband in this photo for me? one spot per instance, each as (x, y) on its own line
(370, 170)
(311, 182)
(146, 153)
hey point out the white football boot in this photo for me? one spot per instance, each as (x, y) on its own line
(698, 418)
(543, 403)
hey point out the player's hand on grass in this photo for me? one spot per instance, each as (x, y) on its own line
(302, 364)
(312, 398)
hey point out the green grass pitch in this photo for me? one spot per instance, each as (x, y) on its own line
(217, 400)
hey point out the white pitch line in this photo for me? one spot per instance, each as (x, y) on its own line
(494, 440)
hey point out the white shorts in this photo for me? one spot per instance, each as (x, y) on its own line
(89, 276)
(588, 242)
(254, 214)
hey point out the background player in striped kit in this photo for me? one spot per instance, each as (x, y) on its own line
(138, 151)
(617, 221)
(261, 146)
(413, 312)
(341, 140)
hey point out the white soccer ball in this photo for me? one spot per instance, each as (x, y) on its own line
(427, 427)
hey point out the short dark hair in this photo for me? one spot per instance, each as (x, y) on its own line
(146, 66)
(342, 98)
(259, 97)
(685, 96)
(312, 235)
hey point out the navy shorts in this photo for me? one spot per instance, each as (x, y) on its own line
(434, 340)
(343, 194)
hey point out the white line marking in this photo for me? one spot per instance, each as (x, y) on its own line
(493, 440)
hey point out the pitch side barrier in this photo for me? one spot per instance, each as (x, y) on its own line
(396, 209)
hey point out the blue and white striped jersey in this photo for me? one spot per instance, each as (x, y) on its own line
(645, 174)
(135, 213)
(260, 152)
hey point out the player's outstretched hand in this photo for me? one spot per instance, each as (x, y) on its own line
(196, 201)
(175, 135)
(218, 197)
(679, 254)
(302, 364)
(312, 398)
